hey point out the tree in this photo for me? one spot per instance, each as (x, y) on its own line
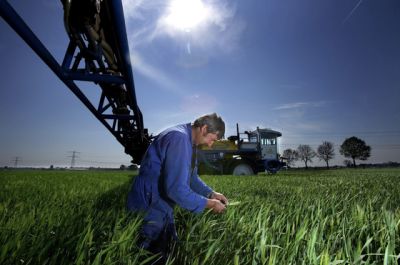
(355, 148)
(306, 154)
(291, 156)
(326, 152)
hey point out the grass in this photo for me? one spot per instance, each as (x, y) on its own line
(293, 217)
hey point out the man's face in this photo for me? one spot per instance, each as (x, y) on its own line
(207, 138)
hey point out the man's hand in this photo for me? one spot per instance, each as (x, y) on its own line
(220, 197)
(216, 205)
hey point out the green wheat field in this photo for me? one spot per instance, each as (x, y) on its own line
(341, 216)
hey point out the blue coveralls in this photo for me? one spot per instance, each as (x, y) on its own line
(166, 178)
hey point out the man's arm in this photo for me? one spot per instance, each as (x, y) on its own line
(199, 186)
(176, 172)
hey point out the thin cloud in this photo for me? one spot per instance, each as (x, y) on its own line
(140, 36)
(298, 105)
(352, 11)
(221, 31)
(135, 9)
(155, 74)
(291, 106)
(199, 103)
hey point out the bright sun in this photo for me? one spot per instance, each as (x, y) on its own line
(186, 15)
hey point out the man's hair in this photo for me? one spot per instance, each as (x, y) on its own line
(214, 123)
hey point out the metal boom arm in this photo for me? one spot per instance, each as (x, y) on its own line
(98, 52)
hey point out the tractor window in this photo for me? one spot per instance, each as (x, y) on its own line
(266, 141)
(253, 139)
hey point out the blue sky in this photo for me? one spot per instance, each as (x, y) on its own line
(314, 70)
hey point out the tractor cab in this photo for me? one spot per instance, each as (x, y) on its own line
(267, 141)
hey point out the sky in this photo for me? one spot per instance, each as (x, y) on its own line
(314, 70)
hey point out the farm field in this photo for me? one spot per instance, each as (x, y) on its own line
(342, 216)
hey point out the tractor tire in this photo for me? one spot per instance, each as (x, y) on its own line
(242, 169)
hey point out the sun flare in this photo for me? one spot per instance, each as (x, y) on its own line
(186, 15)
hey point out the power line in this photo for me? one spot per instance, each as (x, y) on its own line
(100, 162)
(373, 146)
(344, 134)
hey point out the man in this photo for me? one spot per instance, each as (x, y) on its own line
(168, 176)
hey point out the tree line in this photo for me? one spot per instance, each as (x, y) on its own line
(352, 147)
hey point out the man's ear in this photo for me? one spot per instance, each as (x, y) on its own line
(204, 129)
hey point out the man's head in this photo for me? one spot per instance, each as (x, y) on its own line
(208, 129)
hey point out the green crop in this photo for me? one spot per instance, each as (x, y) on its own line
(294, 217)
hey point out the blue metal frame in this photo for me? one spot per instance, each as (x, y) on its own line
(126, 127)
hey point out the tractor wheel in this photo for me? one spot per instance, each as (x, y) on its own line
(242, 168)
